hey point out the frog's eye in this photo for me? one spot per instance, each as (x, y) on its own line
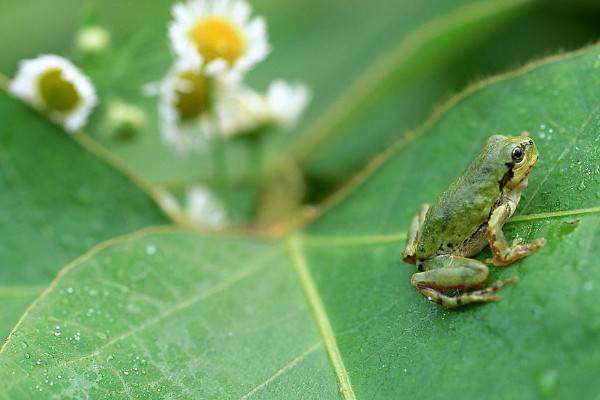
(517, 154)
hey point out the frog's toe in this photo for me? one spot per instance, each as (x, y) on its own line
(538, 243)
(496, 286)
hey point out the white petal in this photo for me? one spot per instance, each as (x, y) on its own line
(240, 12)
(287, 102)
(204, 209)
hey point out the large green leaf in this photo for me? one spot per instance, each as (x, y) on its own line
(57, 200)
(329, 312)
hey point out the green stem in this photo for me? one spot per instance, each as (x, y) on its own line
(220, 170)
(255, 146)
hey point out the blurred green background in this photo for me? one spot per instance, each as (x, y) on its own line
(330, 45)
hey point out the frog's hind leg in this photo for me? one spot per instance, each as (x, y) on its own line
(447, 272)
(503, 252)
(409, 255)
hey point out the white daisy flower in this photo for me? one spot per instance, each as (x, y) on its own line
(186, 97)
(54, 86)
(204, 209)
(286, 102)
(219, 35)
(241, 110)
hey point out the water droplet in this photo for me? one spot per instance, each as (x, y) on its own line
(548, 382)
(126, 372)
(568, 227)
(38, 362)
(151, 249)
(70, 290)
(27, 355)
(429, 298)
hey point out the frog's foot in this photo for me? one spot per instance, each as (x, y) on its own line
(478, 296)
(446, 272)
(413, 235)
(457, 301)
(504, 255)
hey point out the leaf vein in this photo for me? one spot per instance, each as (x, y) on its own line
(318, 308)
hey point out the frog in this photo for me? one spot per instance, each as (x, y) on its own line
(467, 217)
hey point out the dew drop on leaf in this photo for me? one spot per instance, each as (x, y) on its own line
(548, 382)
(151, 249)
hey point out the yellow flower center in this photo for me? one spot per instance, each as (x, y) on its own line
(218, 38)
(194, 99)
(58, 94)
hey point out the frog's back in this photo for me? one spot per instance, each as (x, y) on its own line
(460, 211)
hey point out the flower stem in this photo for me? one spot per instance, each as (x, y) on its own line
(220, 170)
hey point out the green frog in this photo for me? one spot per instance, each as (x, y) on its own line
(467, 217)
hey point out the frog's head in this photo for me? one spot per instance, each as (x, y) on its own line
(517, 153)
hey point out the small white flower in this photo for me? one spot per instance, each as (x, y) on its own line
(204, 209)
(186, 97)
(124, 120)
(92, 39)
(54, 86)
(219, 35)
(241, 110)
(286, 102)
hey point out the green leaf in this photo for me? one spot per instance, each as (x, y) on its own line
(166, 313)
(57, 200)
(329, 312)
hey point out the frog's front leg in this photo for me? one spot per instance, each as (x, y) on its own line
(503, 253)
(447, 272)
(410, 250)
